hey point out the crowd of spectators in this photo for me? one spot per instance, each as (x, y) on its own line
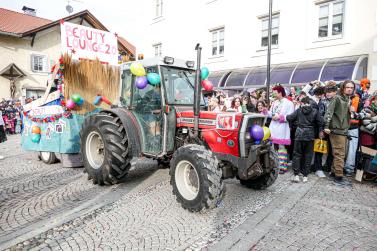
(343, 114)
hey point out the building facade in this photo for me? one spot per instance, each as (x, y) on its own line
(31, 45)
(311, 39)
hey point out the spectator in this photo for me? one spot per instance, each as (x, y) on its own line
(369, 123)
(308, 121)
(236, 104)
(221, 100)
(365, 89)
(337, 122)
(353, 137)
(3, 136)
(213, 105)
(319, 95)
(247, 103)
(280, 131)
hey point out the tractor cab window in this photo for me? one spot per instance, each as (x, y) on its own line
(179, 85)
(146, 104)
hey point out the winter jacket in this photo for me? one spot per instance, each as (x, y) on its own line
(308, 121)
(337, 116)
(369, 120)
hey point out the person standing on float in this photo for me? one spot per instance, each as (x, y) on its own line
(279, 127)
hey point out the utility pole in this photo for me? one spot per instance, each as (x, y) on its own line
(269, 52)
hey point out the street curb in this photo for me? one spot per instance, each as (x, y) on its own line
(249, 233)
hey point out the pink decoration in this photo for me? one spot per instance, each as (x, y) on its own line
(70, 104)
(207, 85)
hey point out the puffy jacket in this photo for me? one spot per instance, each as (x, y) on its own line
(369, 120)
(308, 121)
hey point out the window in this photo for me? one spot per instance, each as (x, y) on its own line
(157, 49)
(218, 42)
(331, 19)
(274, 31)
(39, 63)
(158, 8)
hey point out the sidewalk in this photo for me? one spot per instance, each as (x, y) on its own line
(312, 216)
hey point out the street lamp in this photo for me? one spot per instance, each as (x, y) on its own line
(269, 52)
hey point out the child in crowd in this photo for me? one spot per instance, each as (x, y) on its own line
(307, 120)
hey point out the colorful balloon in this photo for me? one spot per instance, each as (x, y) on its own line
(81, 102)
(266, 133)
(153, 78)
(207, 85)
(204, 72)
(36, 129)
(257, 132)
(76, 98)
(70, 104)
(36, 138)
(97, 100)
(141, 82)
(137, 69)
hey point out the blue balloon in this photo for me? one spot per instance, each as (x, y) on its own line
(204, 72)
(153, 78)
(80, 102)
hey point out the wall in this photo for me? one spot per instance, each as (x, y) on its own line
(183, 24)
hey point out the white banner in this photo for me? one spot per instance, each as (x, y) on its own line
(82, 42)
(46, 110)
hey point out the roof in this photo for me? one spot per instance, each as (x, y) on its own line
(22, 25)
(11, 71)
(18, 23)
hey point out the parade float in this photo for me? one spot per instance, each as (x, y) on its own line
(84, 81)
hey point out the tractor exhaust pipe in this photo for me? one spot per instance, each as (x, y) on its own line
(197, 90)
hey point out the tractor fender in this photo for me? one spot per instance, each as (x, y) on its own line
(131, 126)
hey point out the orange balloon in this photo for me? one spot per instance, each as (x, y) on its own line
(36, 130)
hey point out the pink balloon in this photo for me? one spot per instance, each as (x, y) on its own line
(70, 104)
(207, 85)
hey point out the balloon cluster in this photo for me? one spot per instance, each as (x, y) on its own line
(75, 99)
(260, 133)
(36, 134)
(207, 85)
(143, 79)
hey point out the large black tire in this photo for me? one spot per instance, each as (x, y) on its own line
(112, 161)
(203, 168)
(48, 157)
(267, 179)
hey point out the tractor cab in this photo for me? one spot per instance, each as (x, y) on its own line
(154, 105)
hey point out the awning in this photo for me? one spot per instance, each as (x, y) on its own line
(12, 71)
(338, 69)
(33, 87)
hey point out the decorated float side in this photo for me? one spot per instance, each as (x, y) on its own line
(77, 87)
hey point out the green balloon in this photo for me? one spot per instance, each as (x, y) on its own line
(76, 98)
(35, 138)
(204, 73)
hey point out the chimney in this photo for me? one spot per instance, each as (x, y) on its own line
(29, 11)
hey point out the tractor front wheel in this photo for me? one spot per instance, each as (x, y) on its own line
(196, 178)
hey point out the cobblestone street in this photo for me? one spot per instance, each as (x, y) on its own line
(48, 207)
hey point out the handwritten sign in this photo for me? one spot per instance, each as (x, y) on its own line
(82, 42)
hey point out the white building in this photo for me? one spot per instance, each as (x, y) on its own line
(312, 39)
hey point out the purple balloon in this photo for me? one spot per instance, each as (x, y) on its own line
(141, 82)
(257, 132)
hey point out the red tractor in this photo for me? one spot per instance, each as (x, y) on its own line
(165, 122)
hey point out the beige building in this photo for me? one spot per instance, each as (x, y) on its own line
(30, 46)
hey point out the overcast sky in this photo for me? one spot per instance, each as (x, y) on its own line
(122, 16)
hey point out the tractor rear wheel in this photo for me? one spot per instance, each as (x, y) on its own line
(105, 149)
(267, 179)
(196, 178)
